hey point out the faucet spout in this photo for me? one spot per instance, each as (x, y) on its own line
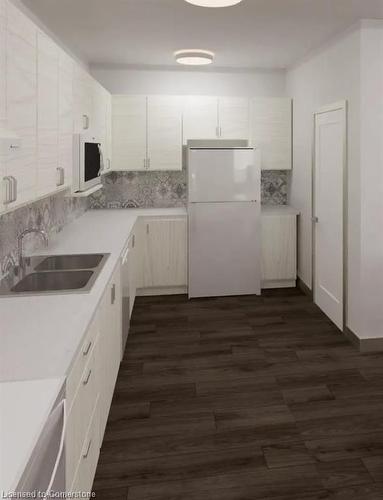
(43, 234)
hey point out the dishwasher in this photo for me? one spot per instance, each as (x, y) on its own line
(44, 475)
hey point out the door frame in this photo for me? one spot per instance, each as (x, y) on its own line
(337, 106)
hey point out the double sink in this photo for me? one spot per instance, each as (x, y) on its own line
(57, 274)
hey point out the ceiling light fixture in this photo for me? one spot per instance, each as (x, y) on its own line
(194, 57)
(214, 3)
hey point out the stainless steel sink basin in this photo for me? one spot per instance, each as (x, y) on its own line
(53, 281)
(60, 262)
(54, 274)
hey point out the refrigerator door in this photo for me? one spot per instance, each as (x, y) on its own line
(223, 175)
(224, 249)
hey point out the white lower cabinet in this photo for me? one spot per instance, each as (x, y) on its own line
(279, 251)
(164, 261)
(89, 388)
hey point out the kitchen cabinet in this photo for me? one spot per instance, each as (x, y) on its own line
(109, 345)
(101, 127)
(216, 118)
(279, 250)
(129, 132)
(147, 133)
(164, 133)
(47, 115)
(233, 118)
(90, 386)
(164, 254)
(271, 131)
(65, 120)
(200, 118)
(3, 61)
(21, 104)
(83, 100)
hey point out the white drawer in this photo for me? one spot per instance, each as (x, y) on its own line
(74, 377)
(87, 464)
(80, 416)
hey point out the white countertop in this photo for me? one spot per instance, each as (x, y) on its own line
(25, 407)
(278, 210)
(40, 335)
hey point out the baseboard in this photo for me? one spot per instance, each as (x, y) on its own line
(304, 288)
(266, 284)
(364, 345)
(162, 290)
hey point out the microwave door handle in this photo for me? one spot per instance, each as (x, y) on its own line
(101, 160)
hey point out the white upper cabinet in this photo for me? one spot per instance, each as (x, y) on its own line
(21, 104)
(3, 41)
(65, 103)
(47, 114)
(129, 132)
(271, 131)
(233, 118)
(164, 133)
(200, 118)
(83, 100)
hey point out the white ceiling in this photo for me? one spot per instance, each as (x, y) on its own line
(253, 34)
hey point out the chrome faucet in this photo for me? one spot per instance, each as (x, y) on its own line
(20, 239)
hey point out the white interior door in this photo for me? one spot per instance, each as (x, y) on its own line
(329, 166)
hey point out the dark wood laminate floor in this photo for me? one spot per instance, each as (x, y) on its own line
(242, 398)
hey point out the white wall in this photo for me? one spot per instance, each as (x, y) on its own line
(351, 68)
(183, 82)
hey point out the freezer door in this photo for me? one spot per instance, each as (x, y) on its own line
(224, 249)
(223, 175)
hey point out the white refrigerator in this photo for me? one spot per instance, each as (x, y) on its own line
(224, 221)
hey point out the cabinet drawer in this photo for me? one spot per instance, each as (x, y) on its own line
(80, 362)
(80, 415)
(87, 464)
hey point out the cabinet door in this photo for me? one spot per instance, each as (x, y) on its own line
(66, 115)
(164, 133)
(132, 271)
(109, 347)
(234, 122)
(279, 248)
(165, 252)
(200, 118)
(3, 66)
(83, 100)
(129, 132)
(108, 146)
(21, 101)
(272, 131)
(47, 114)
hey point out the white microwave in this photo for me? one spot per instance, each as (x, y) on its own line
(88, 162)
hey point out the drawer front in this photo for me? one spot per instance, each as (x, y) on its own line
(80, 415)
(90, 451)
(74, 377)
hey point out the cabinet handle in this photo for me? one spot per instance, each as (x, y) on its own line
(220, 131)
(147, 229)
(85, 455)
(61, 176)
(85, 122)
(14, 146)
(148, 164)
(108, 163)
(145, 163)
(85, 382)
(87, 348)
(7, 190)
(113, 294)
(13, 188)
(314, 219)
(133, 240)
(217, 131)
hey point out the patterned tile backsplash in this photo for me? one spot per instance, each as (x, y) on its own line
(51, 214)
(169, 189)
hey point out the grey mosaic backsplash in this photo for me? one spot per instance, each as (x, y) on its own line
(169, 189)
(51, 214)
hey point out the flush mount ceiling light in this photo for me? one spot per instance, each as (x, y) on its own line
(194, 57)
(214, 3)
